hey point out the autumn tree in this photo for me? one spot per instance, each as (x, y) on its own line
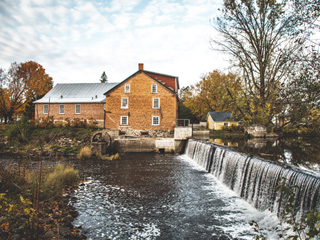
(215, 92)
(22, 84)
(260, 36)
(104, 77)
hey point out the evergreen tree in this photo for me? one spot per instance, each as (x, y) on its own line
(104, 77)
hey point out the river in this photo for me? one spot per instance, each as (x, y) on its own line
(159, 196)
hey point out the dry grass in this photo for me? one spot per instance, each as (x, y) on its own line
(85, 153)
(110, 158)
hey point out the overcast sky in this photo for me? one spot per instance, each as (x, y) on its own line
(76, 40)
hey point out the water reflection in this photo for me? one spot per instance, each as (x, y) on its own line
(301, 152)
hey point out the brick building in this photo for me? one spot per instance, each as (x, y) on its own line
(145, 101)
(81, 101)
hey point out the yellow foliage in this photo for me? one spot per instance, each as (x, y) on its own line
(215, 92)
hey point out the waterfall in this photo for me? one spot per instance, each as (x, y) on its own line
(255, 179)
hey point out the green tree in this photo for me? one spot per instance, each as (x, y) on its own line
(184, 112)
(260, 37)
(104, 77)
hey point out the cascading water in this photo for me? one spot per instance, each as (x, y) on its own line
(256, 179)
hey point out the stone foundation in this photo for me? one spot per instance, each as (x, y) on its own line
(145, 133)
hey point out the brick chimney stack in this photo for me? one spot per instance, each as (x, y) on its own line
(140, 66)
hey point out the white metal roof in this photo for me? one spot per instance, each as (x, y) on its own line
(77, 93)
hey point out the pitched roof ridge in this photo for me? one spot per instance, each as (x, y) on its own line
(167, 75)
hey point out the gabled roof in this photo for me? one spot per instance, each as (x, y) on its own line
(220, 116)
(169, 82)
(77, 93)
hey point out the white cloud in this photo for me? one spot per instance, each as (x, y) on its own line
(78, 40)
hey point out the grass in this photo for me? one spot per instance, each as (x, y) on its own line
(58, 179)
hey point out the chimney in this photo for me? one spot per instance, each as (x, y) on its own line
(140, 66)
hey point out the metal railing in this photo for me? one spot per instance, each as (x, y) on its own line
(183, 122)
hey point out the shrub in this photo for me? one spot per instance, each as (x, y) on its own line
(85, 153)
(44, 122)
(233, 128)
(92, 123)
(61, 177)
(19, 131)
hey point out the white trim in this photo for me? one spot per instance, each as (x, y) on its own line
(47, 109)
(122, 106)
(60, 108)
(75, 108)
(156, 88)
(155, 117)
(125, 88)
(153, 101)
(121, 122)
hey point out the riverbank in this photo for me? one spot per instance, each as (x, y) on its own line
(34, 203)
(51, 142)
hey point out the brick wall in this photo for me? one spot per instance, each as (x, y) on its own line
(140, 110)
(87, 111)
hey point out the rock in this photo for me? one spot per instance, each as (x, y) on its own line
(64, 231)
(48, 235)
(2, 220)
(15, 237)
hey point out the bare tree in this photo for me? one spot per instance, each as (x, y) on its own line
(260, 35)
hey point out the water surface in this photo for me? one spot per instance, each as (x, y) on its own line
(159, 196)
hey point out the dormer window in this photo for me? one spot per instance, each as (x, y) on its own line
(127, 88)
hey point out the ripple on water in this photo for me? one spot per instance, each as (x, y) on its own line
(153, 196)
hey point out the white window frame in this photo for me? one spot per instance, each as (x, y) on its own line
(61, 105)
(154, 90)
(75, 110)
(153, 103)
(127, 88)
(122, 122)
(122, 103)
(153, 121)
(47, 108)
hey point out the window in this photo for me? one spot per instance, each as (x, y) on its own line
(45, 108)
(78, 109)
(154, 88)
(155, 120)
(124, 103)
(124, 120)
(156, 103)
(127, 88)
(226, 124)
(61, 109)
